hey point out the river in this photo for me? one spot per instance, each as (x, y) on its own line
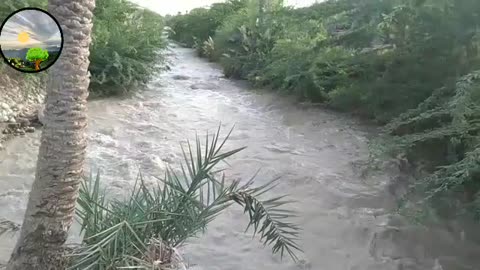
(319, 155)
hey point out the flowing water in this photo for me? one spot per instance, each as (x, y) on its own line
(319, 156)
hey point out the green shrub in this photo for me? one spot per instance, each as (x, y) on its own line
(243, 42)
(201, 23)
(289, 61)
(444, 130)
(126, 47)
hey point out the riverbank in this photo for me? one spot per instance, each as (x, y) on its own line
(21, 96)
(418, 80)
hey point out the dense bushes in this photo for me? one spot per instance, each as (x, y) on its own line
(201, 23)
(125, 47)
(126, 42)
(412, 64)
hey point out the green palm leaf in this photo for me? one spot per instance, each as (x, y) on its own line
(118, 233)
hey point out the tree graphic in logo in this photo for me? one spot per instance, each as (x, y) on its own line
(31, 40)
(37, 55)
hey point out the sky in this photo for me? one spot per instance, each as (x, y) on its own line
(37, 29)
(174, 6)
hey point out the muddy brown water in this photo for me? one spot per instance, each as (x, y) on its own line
(319, 155)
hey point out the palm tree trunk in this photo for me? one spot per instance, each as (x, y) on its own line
(51, 205)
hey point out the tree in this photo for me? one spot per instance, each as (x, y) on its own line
(37, 55)
(51, 205)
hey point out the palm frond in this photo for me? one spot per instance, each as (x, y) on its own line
(7, 226)
(119, 233)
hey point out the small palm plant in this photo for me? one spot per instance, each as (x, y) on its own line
(143, 231)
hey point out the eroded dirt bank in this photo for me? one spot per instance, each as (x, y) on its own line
(20, 97)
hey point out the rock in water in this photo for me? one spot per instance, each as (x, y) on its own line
(3, 118)
(29, 129)
(180, 77)
(206, 86)
(20, 132)
(23, 122)
(13, 125)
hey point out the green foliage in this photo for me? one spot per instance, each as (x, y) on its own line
(37, 54)
(409, 64)
(200, 24)
(164, 214)
(10, 6)
(444, 129)
(287, 64)
(125, 47)
(244, 41)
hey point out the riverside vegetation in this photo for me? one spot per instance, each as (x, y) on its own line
(412, 66)
(141, 231)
